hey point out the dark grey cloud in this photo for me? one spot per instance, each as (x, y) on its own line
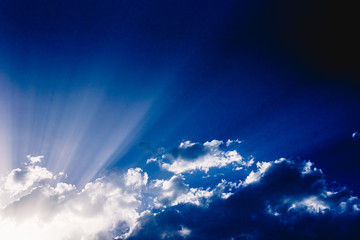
(290, 201)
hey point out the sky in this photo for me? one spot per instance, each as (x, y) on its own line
(179, 120)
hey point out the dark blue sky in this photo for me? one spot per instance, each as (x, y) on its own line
(280, 76)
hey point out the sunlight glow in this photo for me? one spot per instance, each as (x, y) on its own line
(79, 132)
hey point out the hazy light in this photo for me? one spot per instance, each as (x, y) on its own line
(79, 131)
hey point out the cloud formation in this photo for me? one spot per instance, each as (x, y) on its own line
(281, 199)
(286, 200)
(189, 157)
(35, 206)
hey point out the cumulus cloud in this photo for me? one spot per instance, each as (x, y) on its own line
(35, 206)
(175, 191)
(189, 157)
(283, 200)
(33, 203)
(280, 199)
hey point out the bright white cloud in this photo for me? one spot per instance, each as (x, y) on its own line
(135, 177)
(213, 157)
(213, 144)
(174, 191)
(151, 160)
(256, 176)
(186, 144)
(34, 160)
(35, 206)
(21, 182)
(229, 142)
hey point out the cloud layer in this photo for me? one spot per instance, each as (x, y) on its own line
(281, 199)
(285, 200)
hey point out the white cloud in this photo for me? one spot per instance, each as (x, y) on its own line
(174, 191)
(21, 182)
(136, 178)
(186, 144)
(214, 157)
(256, 176)
(308, 168)
(213, 144)
(184, 232)
(229, 142)
(151, 160)
(35, 206)
(34, 160)
(312, 204)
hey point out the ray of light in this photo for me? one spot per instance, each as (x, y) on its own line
(5, 131)
(79, 131)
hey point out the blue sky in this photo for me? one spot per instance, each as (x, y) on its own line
(100, 88)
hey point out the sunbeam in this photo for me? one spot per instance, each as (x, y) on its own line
(79, 132)
(179, 120)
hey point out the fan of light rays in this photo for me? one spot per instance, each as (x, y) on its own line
(5, 130)
(79, 131)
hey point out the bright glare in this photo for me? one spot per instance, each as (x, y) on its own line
(34, 205)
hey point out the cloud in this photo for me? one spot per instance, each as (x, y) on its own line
(229, 142)
(21, 182)
(356, 136)
(281, 199)
(35, 205)
(189, 157)
(175, 191)
(285, 200)
(34, 160)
